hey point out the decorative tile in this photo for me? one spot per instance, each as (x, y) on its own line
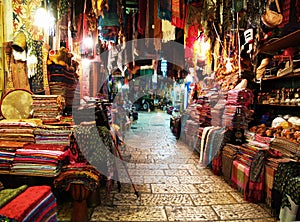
(166, 199)
(214, 187)
(127, 213)
(176, 172)
(240, 211)
(173, 188)
(191, 213)
(195, 179)
(161, 179)
(212, 198)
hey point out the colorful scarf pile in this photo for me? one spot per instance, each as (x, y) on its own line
(53, 135)
(7, 154)
(17, 131)
(34, 204)
(47, 107)
(37, 162)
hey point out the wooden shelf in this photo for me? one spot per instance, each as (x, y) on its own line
(280, 105)
(291, 75)
(290, 40)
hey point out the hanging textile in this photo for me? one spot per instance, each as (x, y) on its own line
(178, 13)
(37, 81)
(168, 31)
(285, 10)
(157, 27)
(164, 9)
(96, 144)
(191, 37)
(108, 23)
(142, 17)
(194, 13)
(19, 75)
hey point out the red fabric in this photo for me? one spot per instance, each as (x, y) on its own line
(19, 207)
(285, 10)
(256, 190)
(45, 147)
(178, 13)
(190, 40)
(142, 16)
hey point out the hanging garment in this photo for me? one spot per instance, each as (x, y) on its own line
(194, 13)
(109, 19)
(142, 16)
(165, 9)
(19, 74)
(37, 81)
(178, 13)
(157, 27)
(168, 31)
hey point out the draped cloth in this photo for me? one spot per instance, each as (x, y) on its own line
(142, 16)
(240, 177)
(37, 81)
(7, 195)
(282, 188)
(178, 13)
(157, 27)
(165, 9)
(36, 203)
(168, 31)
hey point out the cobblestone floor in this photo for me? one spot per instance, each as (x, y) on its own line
(173, 186)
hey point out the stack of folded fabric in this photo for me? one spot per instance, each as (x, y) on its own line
(204, 111)
(17, 131)
(7, 154)
(58, 135)
(286, 147)
(217, 112)
(35, 203)
(47, 107)
(65, 90)
(241, 99)
(37, 162)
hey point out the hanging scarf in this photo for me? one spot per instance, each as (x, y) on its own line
(142, 16)
(164, 9)
(178, 13)
(168, 31)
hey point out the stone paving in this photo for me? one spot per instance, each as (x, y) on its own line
(173, 186)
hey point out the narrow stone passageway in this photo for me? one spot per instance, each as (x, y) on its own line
(173, 186)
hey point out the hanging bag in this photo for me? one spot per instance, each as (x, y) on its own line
(272, 18)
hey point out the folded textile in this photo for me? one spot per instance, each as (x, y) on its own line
(7, 195)
(19, 208)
